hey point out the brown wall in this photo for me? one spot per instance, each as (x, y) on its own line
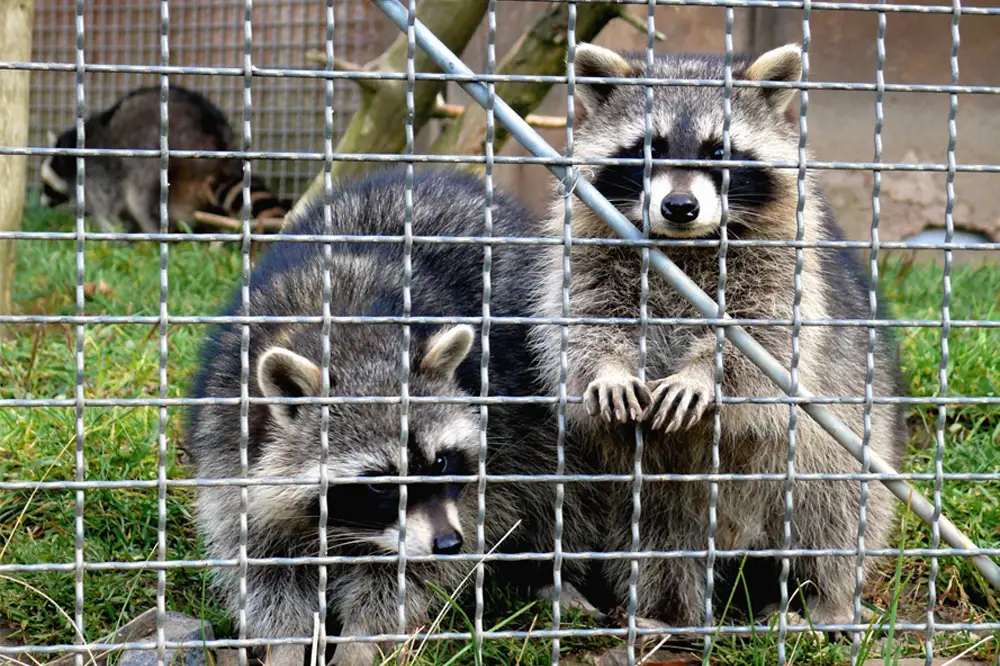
(841, 124)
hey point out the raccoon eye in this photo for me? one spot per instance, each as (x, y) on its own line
(382, 489)
(719, 153)
(444, 464)
(638, 154)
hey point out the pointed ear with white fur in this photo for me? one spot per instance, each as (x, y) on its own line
(592, 60)
(783, 64)
(285, 374)
(52, 138)
(445, 351)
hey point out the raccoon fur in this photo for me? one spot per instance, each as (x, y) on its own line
(282, 521)
(675, 404)
(127, 189)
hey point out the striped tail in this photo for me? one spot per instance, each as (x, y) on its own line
(228, 197)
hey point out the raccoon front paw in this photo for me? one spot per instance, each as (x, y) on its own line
(624, 394)
(356, 654)
(678, 401)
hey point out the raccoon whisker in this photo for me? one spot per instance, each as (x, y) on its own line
(341, 523)
(348, 542)
(749, 222)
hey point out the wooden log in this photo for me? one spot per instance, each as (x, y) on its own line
(16, 17)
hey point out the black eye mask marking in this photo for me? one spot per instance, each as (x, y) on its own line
(750, 188)
(376, 506)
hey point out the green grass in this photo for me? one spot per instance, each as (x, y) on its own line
(120, 361)
(121, 524)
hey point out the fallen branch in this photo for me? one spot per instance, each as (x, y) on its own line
(231, 224)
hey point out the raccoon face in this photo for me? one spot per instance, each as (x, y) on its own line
(364, 440)
(687, 123)
(58, 172)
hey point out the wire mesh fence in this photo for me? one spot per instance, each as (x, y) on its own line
(205, 35)
(102, 409)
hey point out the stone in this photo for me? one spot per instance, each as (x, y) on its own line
(227, 657)
(178, 627)
(618, 656)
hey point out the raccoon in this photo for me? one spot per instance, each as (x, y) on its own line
(127, 189)
(364, 439)
(675, 406)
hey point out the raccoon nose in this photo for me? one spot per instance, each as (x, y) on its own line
(447, 544)
(679, 208)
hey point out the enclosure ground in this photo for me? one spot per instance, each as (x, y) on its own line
(122, 361)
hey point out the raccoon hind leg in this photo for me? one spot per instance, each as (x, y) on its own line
(105, 225)
(143, 205)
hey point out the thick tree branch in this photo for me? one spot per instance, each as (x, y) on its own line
(541, 51)
(640, 25)
(371, 85)
(442, 110)
(379, 124)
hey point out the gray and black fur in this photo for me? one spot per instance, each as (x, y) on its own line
(364, 439)
(675, 406)
(127, 189)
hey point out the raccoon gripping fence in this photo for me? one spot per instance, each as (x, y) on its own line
(588, 194)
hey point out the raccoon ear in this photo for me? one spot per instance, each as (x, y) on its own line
(446, 349)
(592, 60)
(783, 64)
(51, 136)
(285, 374)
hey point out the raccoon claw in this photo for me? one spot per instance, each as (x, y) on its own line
(677, 403)
(619, 398)
(819, 617)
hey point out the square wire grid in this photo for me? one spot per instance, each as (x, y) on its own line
(206, 37)
(247, 66)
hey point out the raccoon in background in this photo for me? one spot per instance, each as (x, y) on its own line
(675, 406)
(364, 439)
(127, 189)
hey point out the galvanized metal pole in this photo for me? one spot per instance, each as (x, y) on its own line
(530, 139)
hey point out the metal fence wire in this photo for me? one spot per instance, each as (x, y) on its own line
(206, 35)
(250, 58)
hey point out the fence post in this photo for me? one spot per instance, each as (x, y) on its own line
(15, 45)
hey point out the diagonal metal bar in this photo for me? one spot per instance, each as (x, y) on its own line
(530, 139)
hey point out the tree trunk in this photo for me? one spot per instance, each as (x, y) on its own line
(15, 45)
(540, 52)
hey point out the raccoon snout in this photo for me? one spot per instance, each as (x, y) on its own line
(679, 208)
(449, 543)
(444, 524)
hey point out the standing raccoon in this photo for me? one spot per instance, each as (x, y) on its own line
(284, 440)
(127, 189)
(675, 406)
